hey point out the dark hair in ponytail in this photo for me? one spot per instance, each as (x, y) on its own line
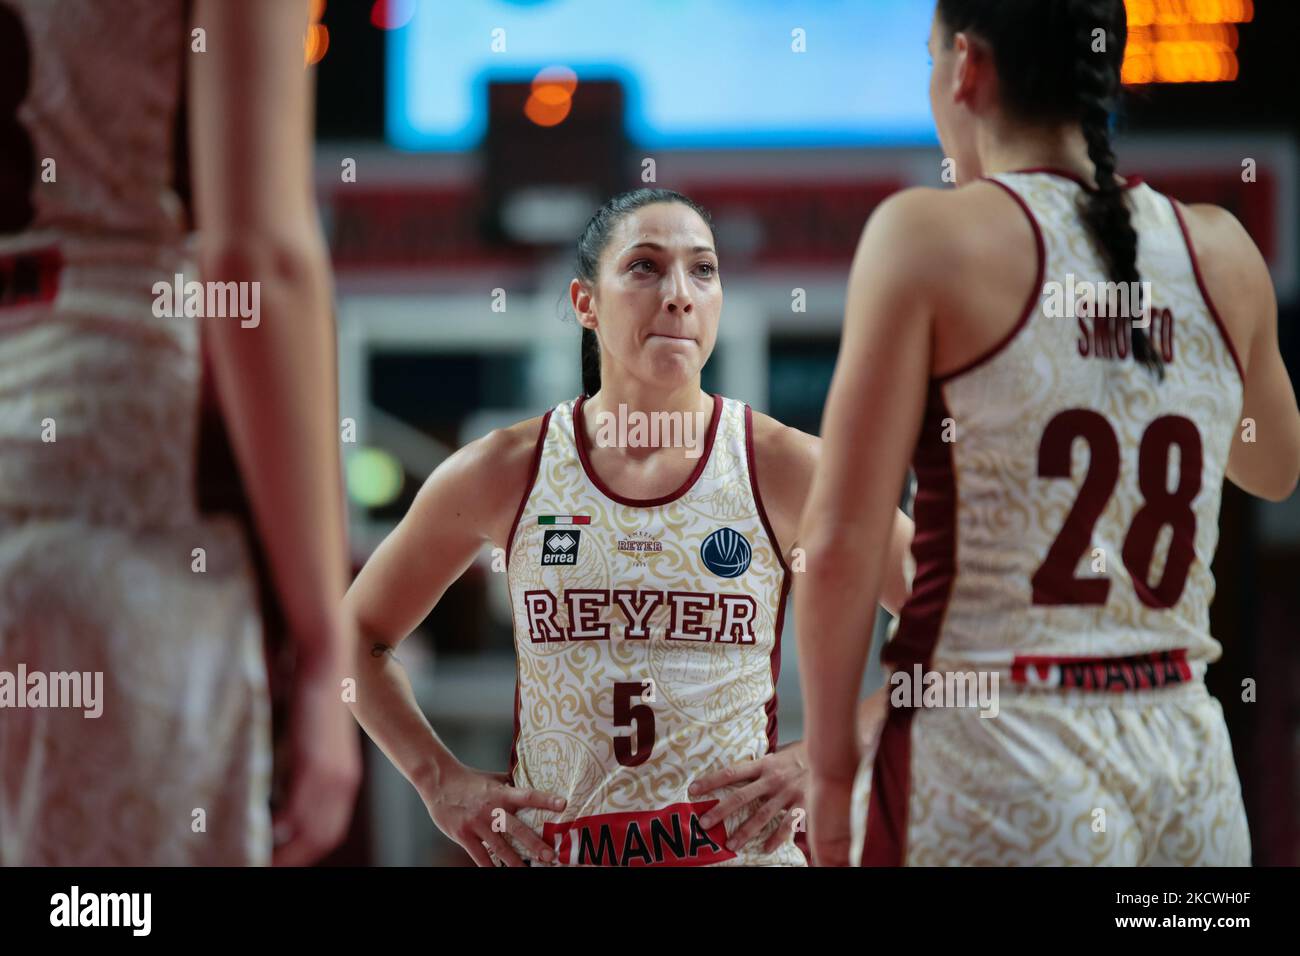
(591, 244)
(1049, 72)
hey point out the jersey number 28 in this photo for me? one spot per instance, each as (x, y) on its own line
(1054, 582)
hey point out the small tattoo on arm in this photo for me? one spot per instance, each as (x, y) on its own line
(379, 650)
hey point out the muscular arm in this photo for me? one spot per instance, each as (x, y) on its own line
(251, 137)
(469, 500)
(1237, 279)
(872, 419)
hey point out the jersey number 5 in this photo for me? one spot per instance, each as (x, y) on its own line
(625, 713)
(1054, 582)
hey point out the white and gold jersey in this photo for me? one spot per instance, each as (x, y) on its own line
(647, 635)
(1067, 500)
(88, 123)
(96, 527)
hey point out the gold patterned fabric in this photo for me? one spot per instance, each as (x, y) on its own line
(1007, 516)
(632, 616)
(1061, 779)
(1067, 511)
(98, 517)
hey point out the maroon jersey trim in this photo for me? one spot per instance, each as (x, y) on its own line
(580, 438)
(770, 707)
(1205, 293)
(1035, 293)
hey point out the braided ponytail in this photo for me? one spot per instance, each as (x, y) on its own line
(1105, 209)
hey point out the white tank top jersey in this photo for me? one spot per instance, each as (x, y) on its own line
(647, 635)
(1067, 501)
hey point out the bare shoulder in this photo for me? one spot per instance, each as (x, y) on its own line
(504, 451)
(923, 237)
(1220, 240)
(488, 477)
(914, 202)
(921, 206)
(781, 446)
(1233, 270)
(908, 223)
(784, 459)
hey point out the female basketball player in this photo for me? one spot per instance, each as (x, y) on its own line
(1069, 472)
(647, 583)
(107, 564)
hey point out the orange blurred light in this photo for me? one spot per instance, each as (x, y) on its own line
(545, 113)
(1184, 41)
(1192, 62)
(551, 98)
(316, 43)
(551, 94)
(1138, 70)
(392, 14)
(317, 39)
(1171, 12)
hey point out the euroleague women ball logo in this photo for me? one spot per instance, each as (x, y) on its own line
(726, 553)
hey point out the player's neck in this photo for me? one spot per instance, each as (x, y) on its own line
(636, 396)
(1010, 147)
(630, 401)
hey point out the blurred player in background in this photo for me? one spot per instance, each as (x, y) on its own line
(648, 583)
(1040, 439)
(99, 412)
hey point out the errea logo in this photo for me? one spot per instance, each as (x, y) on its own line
(560, 547)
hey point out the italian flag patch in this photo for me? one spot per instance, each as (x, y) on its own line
(564, 519)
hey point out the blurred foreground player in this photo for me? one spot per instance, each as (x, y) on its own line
(1069, 459)
(99, 402)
